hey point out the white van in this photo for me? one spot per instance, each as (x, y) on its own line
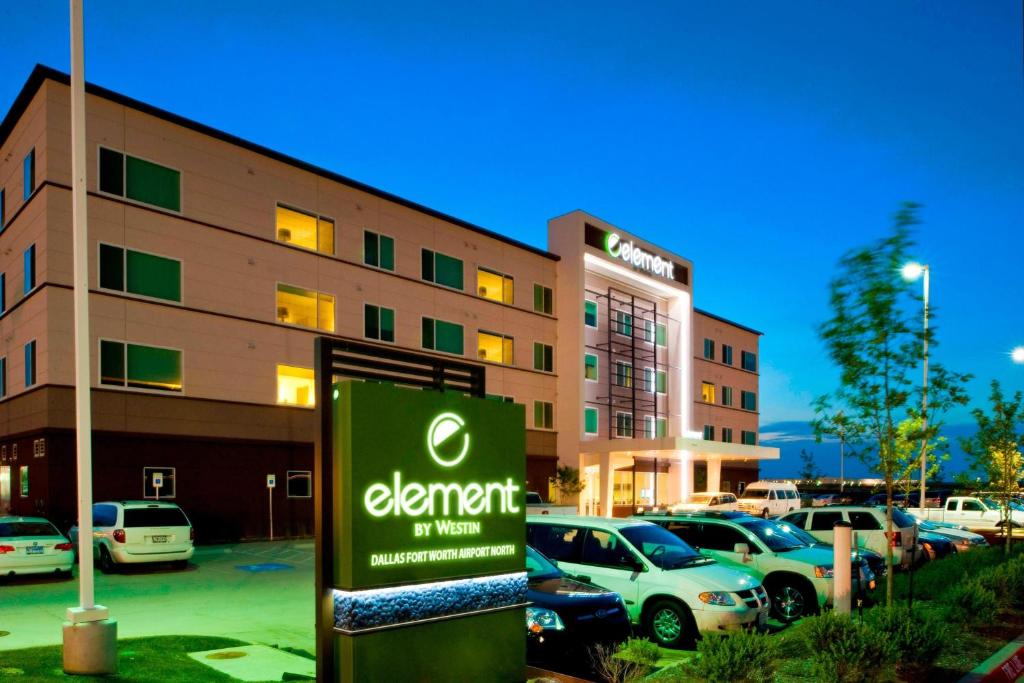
(868, 523)
(769, 498)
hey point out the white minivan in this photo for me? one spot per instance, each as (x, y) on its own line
(868, 523)
(769, 498)
(669, 588)
(137, 531)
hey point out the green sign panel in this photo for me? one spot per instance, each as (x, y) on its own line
(428, 486)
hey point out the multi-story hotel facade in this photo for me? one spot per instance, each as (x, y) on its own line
(215, 263)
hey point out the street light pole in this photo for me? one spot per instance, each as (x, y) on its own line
(924, 396)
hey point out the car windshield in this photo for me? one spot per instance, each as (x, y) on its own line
(21, 529)
(664, 549)
(990, 504)
(775, 536)
(799, 534)
(700, 499)
(760, 494)
(539, 567)
(901, 518)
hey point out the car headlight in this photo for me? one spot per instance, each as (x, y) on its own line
(824, 571)
(539, 619)
(717, 598)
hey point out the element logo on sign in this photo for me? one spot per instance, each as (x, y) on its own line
(447, 439)
(637, 257)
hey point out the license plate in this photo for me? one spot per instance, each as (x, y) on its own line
(34, 550)
(158, 539)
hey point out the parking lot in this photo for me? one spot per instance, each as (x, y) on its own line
(257, 592)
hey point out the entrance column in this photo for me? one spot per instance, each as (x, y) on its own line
(685, 475)
(714, 475)
(606, 492)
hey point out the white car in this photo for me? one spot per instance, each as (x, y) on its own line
(31, 545)
(769, 498)
(961, 538)
(707, 500)
(868, 524)
(132, 532)
(669, 588)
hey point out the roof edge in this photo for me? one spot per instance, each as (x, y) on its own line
(42, 73)
(727, 321)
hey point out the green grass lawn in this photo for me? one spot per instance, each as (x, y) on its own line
(161, 659)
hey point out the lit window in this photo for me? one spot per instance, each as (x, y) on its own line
(623, 376)
(378, 250)
(590, 367)
(707, 392)
(543, 357)
(295, 386)
(495, 348)
(140, 367)
(543, 299)
(297, 306)
(624, 424)
(590, 418)
(543, 415)
(379, 323)
(136, 272)
(306, 230)
(139, 180)
(441, 269)
(494, 286)
(590, 313)
(439, 335)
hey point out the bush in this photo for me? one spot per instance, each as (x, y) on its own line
(918, 636)
(1006, 581)
(627, 663)
(640, 651)
(843, 651)
(969, 602)
(742, 657)
(933, 580)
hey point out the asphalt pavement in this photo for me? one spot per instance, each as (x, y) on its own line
(257, 592)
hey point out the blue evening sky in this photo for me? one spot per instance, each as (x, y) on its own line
(760, 139)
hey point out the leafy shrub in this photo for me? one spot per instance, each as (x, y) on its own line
(742, 657)
(969, 602)
(1015, 581)
(918, 636)
(627, 663)
(641, 651)
(843, 651)
(933, 579)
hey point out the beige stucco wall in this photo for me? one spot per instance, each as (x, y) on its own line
(720, 374)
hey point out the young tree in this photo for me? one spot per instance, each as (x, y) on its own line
(908, 455)
(994, 449)
(567, 482)
(809, 469)
(875, 338)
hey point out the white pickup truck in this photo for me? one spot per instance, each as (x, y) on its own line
(535, 505)
(974, 513)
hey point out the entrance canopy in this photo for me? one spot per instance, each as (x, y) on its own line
(676, 448)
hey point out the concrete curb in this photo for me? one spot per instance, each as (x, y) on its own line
(1005, 666)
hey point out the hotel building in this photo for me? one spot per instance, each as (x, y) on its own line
(215, 262)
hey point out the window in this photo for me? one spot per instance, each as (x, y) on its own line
(727, 434)
(723, 538)
(543, 299)
(707, 392)
(607, 550)
(23, 480)
(971, 506)
(748, 361)
(624, 424)
(560, 543)
(543, 415)
(543, 357)
(439, 335)
(304, 229)
(166, 486)
(590, 367)
(104, 515)
(623, 324)
(295, 386)
(648, 426)
(623, 375)
(661, 427)
(3, 377)
(726, 354)
(661, 335)
(824, 521)
(590, 417)
(140, 367)
(590, 313)
(30, 363)
(661, 382)
(864, 521)
(495, 286)
(500, 399)
(648, 384)
(3, 293)
(379, 323)
(709, 349)
(649, 330)
(305, 307)
(3, 210)
(726, 396)
(495, 348)
(748, 400)
(29, 174)
(748, 438)
(139, 180)
(30, 269)
(441, 269)
(709, 432)
(300, 484)
(378, 250)
(136, 272)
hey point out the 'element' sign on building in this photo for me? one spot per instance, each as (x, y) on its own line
(429, 534)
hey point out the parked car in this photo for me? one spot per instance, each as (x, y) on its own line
(823, 499)
(566, 617)
(769, 498)
(137, 531)
(535, 505)
(707, 500)
(977, 514)
(797, 576)
(961, 538)
(875, 562)
(669, 588)
(32, 545)
(934, 546)
(868, 524)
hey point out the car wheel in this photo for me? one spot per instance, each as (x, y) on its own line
(791, 600)
(670, 624)
(105, 561)
(764, 513)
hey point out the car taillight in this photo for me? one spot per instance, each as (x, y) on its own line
(119, 535)
(896, 539)
(62, 546)
(6, 548)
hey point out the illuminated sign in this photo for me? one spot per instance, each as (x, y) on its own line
(638, 258)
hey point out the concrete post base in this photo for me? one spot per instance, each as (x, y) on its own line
(90, 647)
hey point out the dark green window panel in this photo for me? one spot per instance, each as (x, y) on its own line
(660, 335)
(387, 324)
(112, 363)
(427, 333)
(748, 400)
(726, 396)
(111, 172)
(543, 357)
(427, 265)
(371, 248)
(709, 432)
(543, 415)
(543, 299)
(3, 293)
(3, 210)
(371, 321)
(661, 382)
(29, 174)
(448, 271)
(590, 367)
(30, 269)
(590, 313)
(154, 276)
(443, 336)
(590, 416)
(727, 434)
(387, 253)
(749, 361)
(111, 267)
(153, 184)
(30, 363)
(3, 377)
(709, 349)
(749, 438)
(726, 354)
(661, 427)
(153, 368)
